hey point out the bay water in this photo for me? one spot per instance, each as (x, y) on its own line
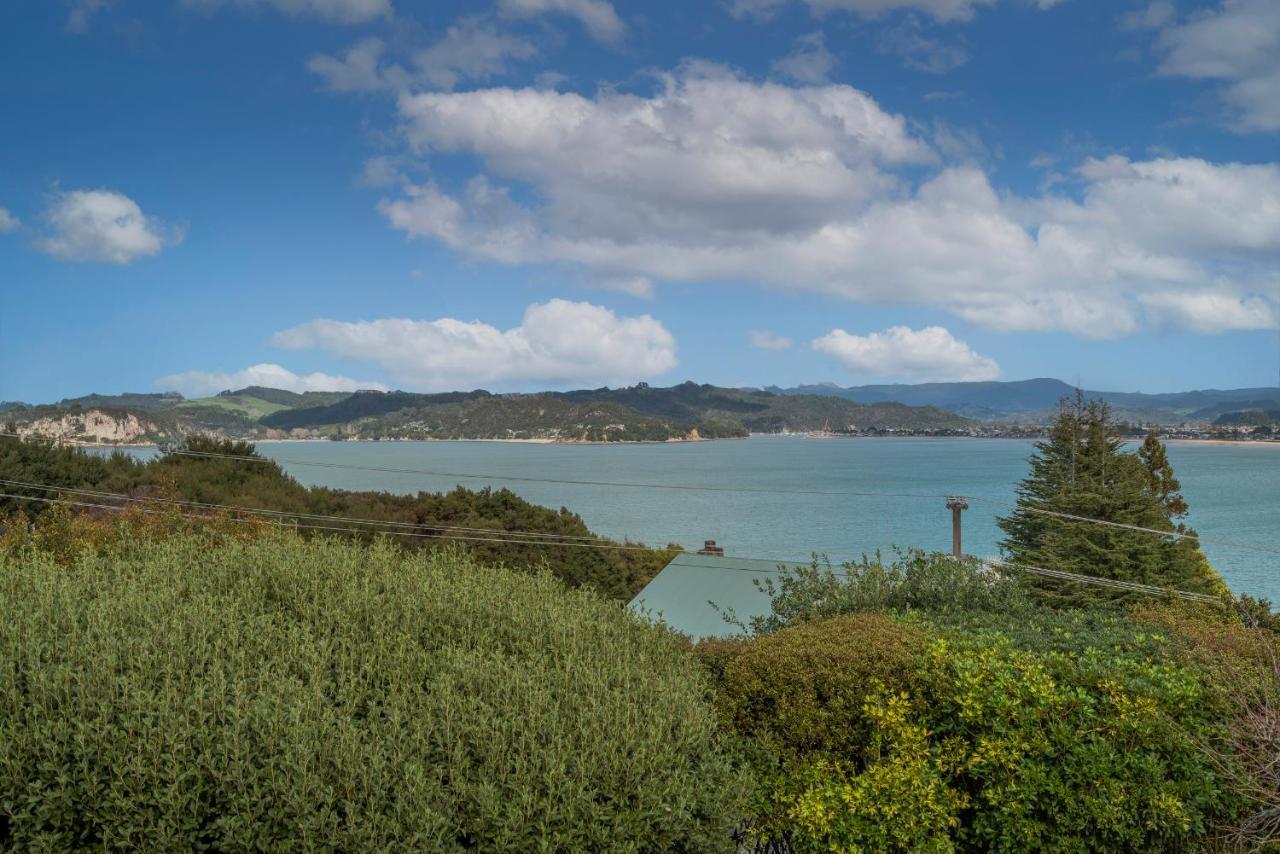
(881, 492)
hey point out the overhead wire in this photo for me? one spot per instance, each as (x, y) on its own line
(697, 488)
(296, 526)
(292, 515)
(1127, 586)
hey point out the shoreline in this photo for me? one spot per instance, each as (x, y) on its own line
(1234, 443)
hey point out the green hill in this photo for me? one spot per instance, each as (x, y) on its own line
(637, 413)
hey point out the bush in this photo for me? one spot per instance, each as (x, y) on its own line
(915, 580)
(802, 689)
(1095, 750)
(236, 475)
(195, 693)
(888, 735)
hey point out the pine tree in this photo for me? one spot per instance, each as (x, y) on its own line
(1083, 470)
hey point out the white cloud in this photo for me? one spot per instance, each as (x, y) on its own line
(337, 11)
(810, 62)
(203, 383)
(810, 188)
(1210, 312)
(1238, 44)
(940, 10)
(470, 49)
(556, 343)
(101, 225)
(902, 353)
(8, 222)
(597, 16)
(356, 71)
(707, 158)
(763, 340)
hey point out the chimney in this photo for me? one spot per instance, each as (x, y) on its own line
(709, 547)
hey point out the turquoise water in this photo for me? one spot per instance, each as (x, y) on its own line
(1231, 490)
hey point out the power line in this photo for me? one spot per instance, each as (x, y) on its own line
(689, 487)
(292, 515)
(285, 525)
(1177, 535)
(1105, 582)
(525, 478)
(1036, 570)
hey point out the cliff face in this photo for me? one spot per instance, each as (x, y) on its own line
(92, 425)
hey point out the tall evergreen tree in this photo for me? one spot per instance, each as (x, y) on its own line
(1083, 470)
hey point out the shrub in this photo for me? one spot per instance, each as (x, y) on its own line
(914, 580)
(1089, 751)
(199, 693)
(890, 735)
(802, 689)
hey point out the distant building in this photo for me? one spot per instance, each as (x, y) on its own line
(681, 595)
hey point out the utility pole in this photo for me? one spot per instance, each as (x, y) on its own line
(956, 504)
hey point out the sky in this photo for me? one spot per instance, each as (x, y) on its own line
(198, 195)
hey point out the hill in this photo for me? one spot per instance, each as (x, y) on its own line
(637, 413)
(1034, 401)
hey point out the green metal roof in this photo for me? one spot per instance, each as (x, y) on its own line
(682, 593)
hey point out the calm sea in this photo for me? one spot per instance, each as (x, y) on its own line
(1231, 490)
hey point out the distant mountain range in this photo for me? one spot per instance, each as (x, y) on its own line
(1033, 401)
(638, 413)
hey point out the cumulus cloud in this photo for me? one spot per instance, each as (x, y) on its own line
(101, 225)
(816, 188)
(8, 222)
(597, 16)
(557, 343)
(810, 62)
(902, 353)
(202, 383)
(1209, 311)
(1238, 45)
(337, 11)
(763, 340)
(708, 157)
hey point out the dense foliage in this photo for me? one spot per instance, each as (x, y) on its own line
(913, 580)
(1011, 730)
(1082, 470)
(273, 694)
(251, 481)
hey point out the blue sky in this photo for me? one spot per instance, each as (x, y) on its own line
(521, 194)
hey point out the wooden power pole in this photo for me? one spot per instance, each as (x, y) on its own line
(956, 504)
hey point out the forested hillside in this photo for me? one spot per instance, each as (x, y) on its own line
(639, 413)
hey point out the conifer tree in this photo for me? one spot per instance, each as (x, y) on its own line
(1083, 470)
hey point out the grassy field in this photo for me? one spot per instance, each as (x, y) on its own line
(251, 407)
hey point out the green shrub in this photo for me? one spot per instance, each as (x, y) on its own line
(275, 693)
(914, 580)
(802, 689)
(884, 735)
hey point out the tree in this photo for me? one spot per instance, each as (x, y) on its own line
(1083, 471)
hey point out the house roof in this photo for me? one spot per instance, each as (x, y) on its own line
(682, 593)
